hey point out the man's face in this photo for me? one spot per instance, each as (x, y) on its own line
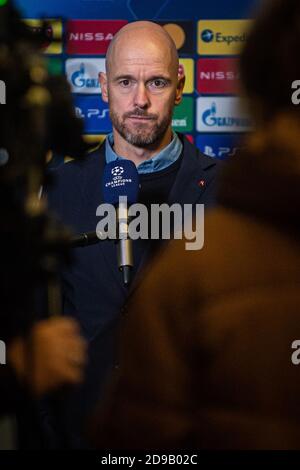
(142, 89)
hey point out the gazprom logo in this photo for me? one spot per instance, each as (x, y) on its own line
(2, 92)
(2, 353)
(222, 115)
(211, 119)
(207, 35)
(83, 75)
(80, 80)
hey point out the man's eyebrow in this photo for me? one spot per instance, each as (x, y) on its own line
(123, 77)
(159, 77)
(151, 78)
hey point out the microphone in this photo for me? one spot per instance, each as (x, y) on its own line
(85, 239)
(120, 187)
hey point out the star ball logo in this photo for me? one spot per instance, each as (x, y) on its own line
(117, 171)
(207, 35)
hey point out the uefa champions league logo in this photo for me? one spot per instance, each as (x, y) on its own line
(117, 171)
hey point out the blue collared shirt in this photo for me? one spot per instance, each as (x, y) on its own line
(159, 162)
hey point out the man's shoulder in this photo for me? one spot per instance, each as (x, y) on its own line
(77, 167)
(199, 158)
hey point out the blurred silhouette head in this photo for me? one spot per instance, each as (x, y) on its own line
(270, 60)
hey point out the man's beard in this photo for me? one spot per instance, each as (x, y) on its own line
(141, 137)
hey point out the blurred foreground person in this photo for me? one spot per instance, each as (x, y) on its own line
(207, 353)
(52, 355)
(37, 116)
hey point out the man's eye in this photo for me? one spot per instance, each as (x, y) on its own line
(158, 83)
(125, 83)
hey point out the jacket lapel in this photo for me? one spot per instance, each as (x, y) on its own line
(191, 181)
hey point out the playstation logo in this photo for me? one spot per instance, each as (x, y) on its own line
(207, 35)
(117, 171)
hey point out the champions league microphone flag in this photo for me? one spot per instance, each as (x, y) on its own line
(120, 178)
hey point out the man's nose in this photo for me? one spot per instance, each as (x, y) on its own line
(141, 98)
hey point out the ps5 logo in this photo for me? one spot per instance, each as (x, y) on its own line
(221, 152)
(2, 92)
(117, 171)
(92, 112)
(2, 353)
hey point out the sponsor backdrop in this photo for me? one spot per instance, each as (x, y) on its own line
(208, 36)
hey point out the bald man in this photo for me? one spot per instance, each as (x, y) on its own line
(142, 84)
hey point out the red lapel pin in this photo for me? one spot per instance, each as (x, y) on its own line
(201, 183)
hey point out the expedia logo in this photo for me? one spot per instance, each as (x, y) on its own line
(222, 37)
(117, 171)
(207, 35)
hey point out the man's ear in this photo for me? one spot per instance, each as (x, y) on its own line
(103, 83)
(179, 89)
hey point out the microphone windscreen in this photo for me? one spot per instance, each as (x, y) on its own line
(120, 178)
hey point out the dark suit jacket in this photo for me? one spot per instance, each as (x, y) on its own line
(92, 286)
